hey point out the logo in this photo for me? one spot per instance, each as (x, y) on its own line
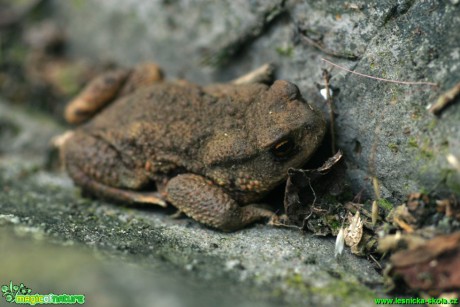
(22, 295)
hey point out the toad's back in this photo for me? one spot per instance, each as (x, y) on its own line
(169, 124)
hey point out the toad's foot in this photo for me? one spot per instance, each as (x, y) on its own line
(154, 198)
(117, 194)
(59, 140)
(206, 203)
(125, 196)
(279, 221)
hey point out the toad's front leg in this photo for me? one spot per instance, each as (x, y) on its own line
(207, 203)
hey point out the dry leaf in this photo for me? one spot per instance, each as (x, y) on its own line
(304, 193)
(354, 232)
(434, 265)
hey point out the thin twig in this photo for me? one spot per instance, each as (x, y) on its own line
(327, 51)
(380, 79)
(330, 105)
(280, 224)
(445, 99)
(376, 262)
(373, 164)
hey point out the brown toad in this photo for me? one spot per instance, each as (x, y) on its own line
(205, 150)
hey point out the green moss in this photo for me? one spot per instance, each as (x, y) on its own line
(412, 142)
(427, 154)
(272, 14)
(424, 190)
(433, 123)
(452, 179)
(334, 224)
(385, 204)
(216, 59)
(426, 150)
(348, 292)
(277, 293)
(393, 147)
(78, 4)
(285, 51)
(67, 80)
(345, 290)
(295, 281)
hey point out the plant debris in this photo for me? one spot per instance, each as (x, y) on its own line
(312, 202)
(432, 265)
(301, 204)
(424, 236)
(423, 233)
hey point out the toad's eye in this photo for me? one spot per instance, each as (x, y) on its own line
(283, 149)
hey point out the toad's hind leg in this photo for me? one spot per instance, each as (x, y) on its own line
(108, 86)
(206, 203)
(97, 168)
